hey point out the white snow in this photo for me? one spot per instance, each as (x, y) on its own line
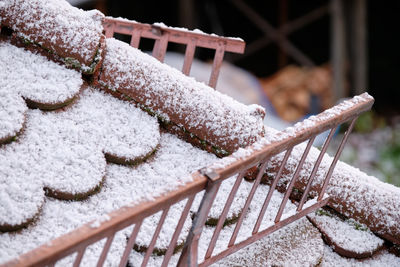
(222, 196)
(273, 135)
(226, 232)
(354, 193)
(170, 168)
(171, 94)
(34, 77)
(63, 151)
(345, 234)
(162, 25)
(298, 244)
(163, 240)
(12, 114)
(58, 26)
(384, 258)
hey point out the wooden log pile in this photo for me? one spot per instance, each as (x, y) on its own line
(291, 89)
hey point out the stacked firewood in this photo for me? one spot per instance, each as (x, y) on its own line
(293, 90)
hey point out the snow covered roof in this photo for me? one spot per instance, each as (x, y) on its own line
(70, 33)
(102, 153)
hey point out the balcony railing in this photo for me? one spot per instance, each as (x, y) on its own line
(207, 180)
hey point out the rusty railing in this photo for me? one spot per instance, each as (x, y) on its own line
(164, 35)
(207, 179)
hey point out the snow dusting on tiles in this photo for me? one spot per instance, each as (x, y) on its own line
(226, 232)
(118, 128)
(149, 225)
(34, 77)
(298, 244)
(353, 193)
(57, 26)
(21, 195)
(176, 98)
(272, 135)
(220, 200)
(123, 185)
(62, 152)
(12, 115)
(383, 258)
(348, 238)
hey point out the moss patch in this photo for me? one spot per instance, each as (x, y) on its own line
(157, 251)
(211, 221)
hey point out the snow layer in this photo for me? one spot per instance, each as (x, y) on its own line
(226, 232)
(274, 136)
(57, 26)
(164, 238)
(162, 25)
(298, 244)
(170, 168)
(353, 193)
(12, 114)
(383, 258)
(201, 110)
(23, 73)
(222, 196)
(63, 151)
(347, 234)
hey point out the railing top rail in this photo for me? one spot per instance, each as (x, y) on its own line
(177, 35)
(129, 215)
(291, 136)
(112, 222)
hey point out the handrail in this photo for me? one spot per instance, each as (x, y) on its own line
(208, 179)
(288, 140)
(163, 35)
(82, 237)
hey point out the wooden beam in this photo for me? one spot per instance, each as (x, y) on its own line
(285, 29)
(273, 34)
(338, 49)
(358, 46)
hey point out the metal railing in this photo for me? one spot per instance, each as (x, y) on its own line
(164, 35)
(208, 179)
(260, 159)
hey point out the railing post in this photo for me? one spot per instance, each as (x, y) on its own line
(190, 249)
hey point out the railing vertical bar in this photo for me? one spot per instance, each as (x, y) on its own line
(110, 30)
(129, 245)
(177, 232)
(294, 178)
(247, 204)
(224, 213)
(135, 39)
(149, 250)
(79, 257)
(263, 233)
(105, 250)
(160, 47)
(271, 191)
(189, 54)
(219, 56)
(316, 166)
(336, 158)
(189, 253)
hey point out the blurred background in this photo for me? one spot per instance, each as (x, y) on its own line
(301, 57)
